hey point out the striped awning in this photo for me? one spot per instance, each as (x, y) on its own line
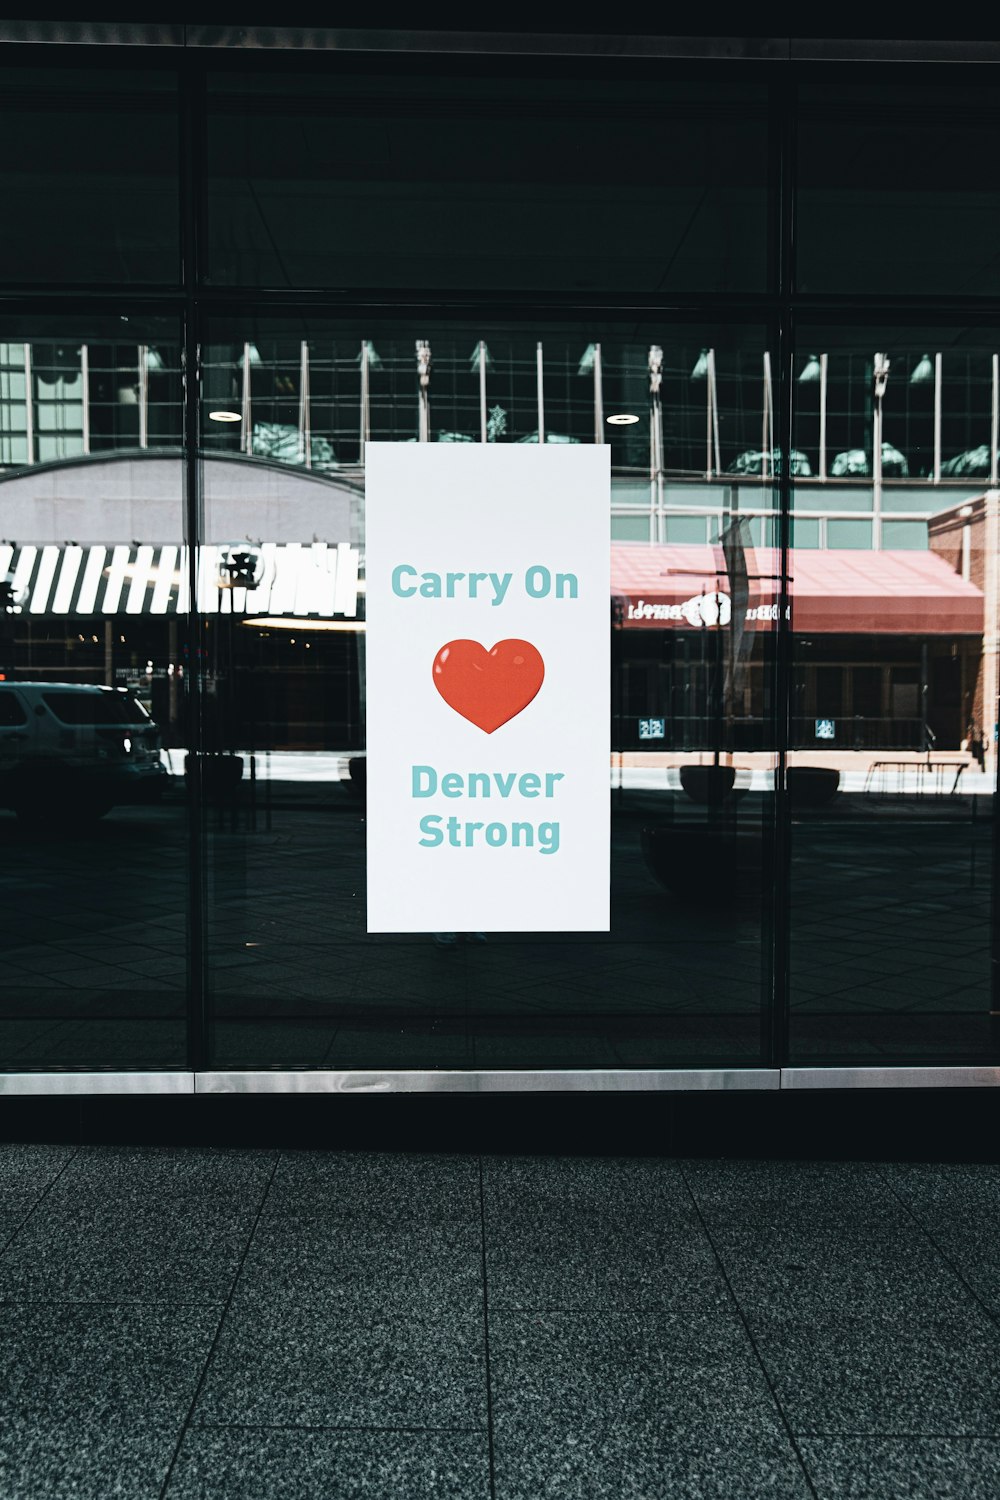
(318, 580)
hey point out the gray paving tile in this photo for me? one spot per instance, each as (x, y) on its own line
(884, 1376)
(965, 1191)
(166, 1170)
(643, 1187)
(245, 1463)
(30, 1168)
(114, 1366)
(324, 1262)
(70, 1460)
(279, 1363)
(791, 1272)
(14, 1210)
(933, 1468)
(178, 1249)
(398, 1185)
(623, 1461)
(575, 1259)
(780, 1192)
(581, 1374)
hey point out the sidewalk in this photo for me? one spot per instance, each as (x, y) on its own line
(192, 1322)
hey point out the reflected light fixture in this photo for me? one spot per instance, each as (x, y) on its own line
(812, 369)
(923, 372)
(622, 419)
(700, 371)
(224, 416)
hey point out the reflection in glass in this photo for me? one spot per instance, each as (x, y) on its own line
(893, 763)
(294, 976)
(93, 656)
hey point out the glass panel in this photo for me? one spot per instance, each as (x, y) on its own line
(687, 529)
(93, 645)
(630, 528)
(805, 533)
(892, 770)
(901, 534)
(294, 977)
(848, 533)
(90, 178)
(897, 189)
(449, 175)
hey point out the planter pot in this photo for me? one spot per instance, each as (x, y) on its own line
(705, 864)
(220, 776)
(811, 786)
(708, 785)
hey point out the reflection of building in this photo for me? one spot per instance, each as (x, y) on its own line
(111, 602)
(887, 647)
(888, 644)
(965, 536)
(309, 405)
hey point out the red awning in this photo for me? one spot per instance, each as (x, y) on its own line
(834, 592)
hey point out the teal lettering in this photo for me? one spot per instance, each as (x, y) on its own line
(537, 582)
(422, 774)
(451, 785)
(431, 826)
(397, 581)
(548, 838)
(501, 583)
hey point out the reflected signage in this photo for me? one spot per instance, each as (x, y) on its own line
(488, 670)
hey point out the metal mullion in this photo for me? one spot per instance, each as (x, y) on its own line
(781, 335)
(191, 112)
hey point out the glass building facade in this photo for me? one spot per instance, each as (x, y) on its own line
(768, 287)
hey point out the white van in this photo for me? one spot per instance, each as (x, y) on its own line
(75, 750)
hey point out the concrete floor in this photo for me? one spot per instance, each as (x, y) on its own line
(210, 1322)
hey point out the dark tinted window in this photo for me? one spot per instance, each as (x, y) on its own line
(88, 179)
(424, 178)
(897, 190)
(96, 708)
(11, 711)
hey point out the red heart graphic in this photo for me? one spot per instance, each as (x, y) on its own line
(488, 687)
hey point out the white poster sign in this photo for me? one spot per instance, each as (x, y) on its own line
(488, 687)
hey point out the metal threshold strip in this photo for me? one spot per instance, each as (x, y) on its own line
(492, 1081)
